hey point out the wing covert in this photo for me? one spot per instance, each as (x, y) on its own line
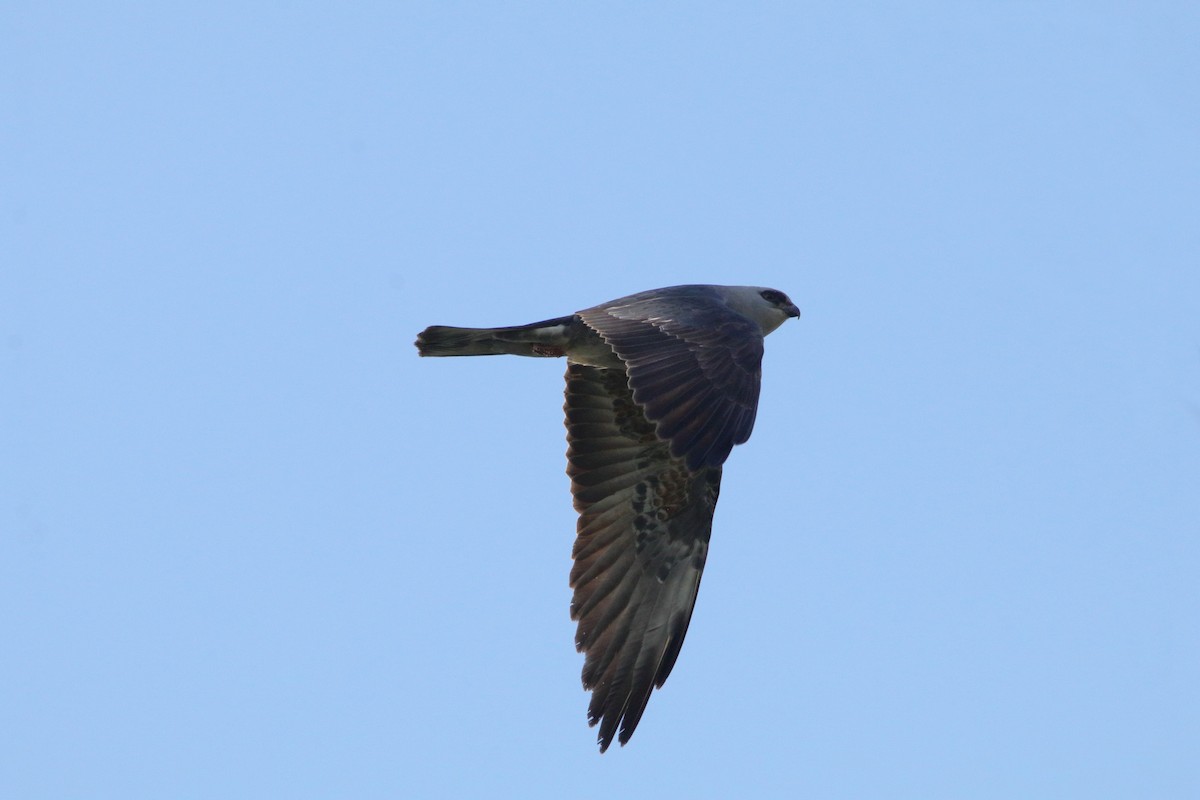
(694, 364)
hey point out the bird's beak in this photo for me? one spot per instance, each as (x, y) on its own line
(792, 311)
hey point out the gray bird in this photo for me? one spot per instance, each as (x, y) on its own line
(660, 386)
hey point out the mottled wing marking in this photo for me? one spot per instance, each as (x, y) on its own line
(695, 367)
(644, 525)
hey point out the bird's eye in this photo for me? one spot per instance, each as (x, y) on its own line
(773, 296)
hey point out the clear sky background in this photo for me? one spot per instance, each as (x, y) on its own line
(252, 546)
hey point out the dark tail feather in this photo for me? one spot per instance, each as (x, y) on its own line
(546, 338)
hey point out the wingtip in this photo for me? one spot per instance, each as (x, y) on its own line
(606, 741)
(604, 737)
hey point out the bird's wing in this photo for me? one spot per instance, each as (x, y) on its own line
(695, 366)
(644, 523)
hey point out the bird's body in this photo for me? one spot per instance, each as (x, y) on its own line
(660, 386)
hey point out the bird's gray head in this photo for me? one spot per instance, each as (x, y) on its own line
(770, 308)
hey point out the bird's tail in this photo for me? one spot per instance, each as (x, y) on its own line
(546, 338)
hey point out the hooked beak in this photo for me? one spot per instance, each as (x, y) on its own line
(792, 311)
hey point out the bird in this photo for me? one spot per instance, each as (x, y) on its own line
(660, 386)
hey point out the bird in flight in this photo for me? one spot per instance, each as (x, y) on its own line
(660, 386)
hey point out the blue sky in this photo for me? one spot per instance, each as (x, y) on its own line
(252, 546)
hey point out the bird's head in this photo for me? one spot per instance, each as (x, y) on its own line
(770, 308)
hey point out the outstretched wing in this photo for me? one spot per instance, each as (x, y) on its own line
(695, 366)
(644, 523)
